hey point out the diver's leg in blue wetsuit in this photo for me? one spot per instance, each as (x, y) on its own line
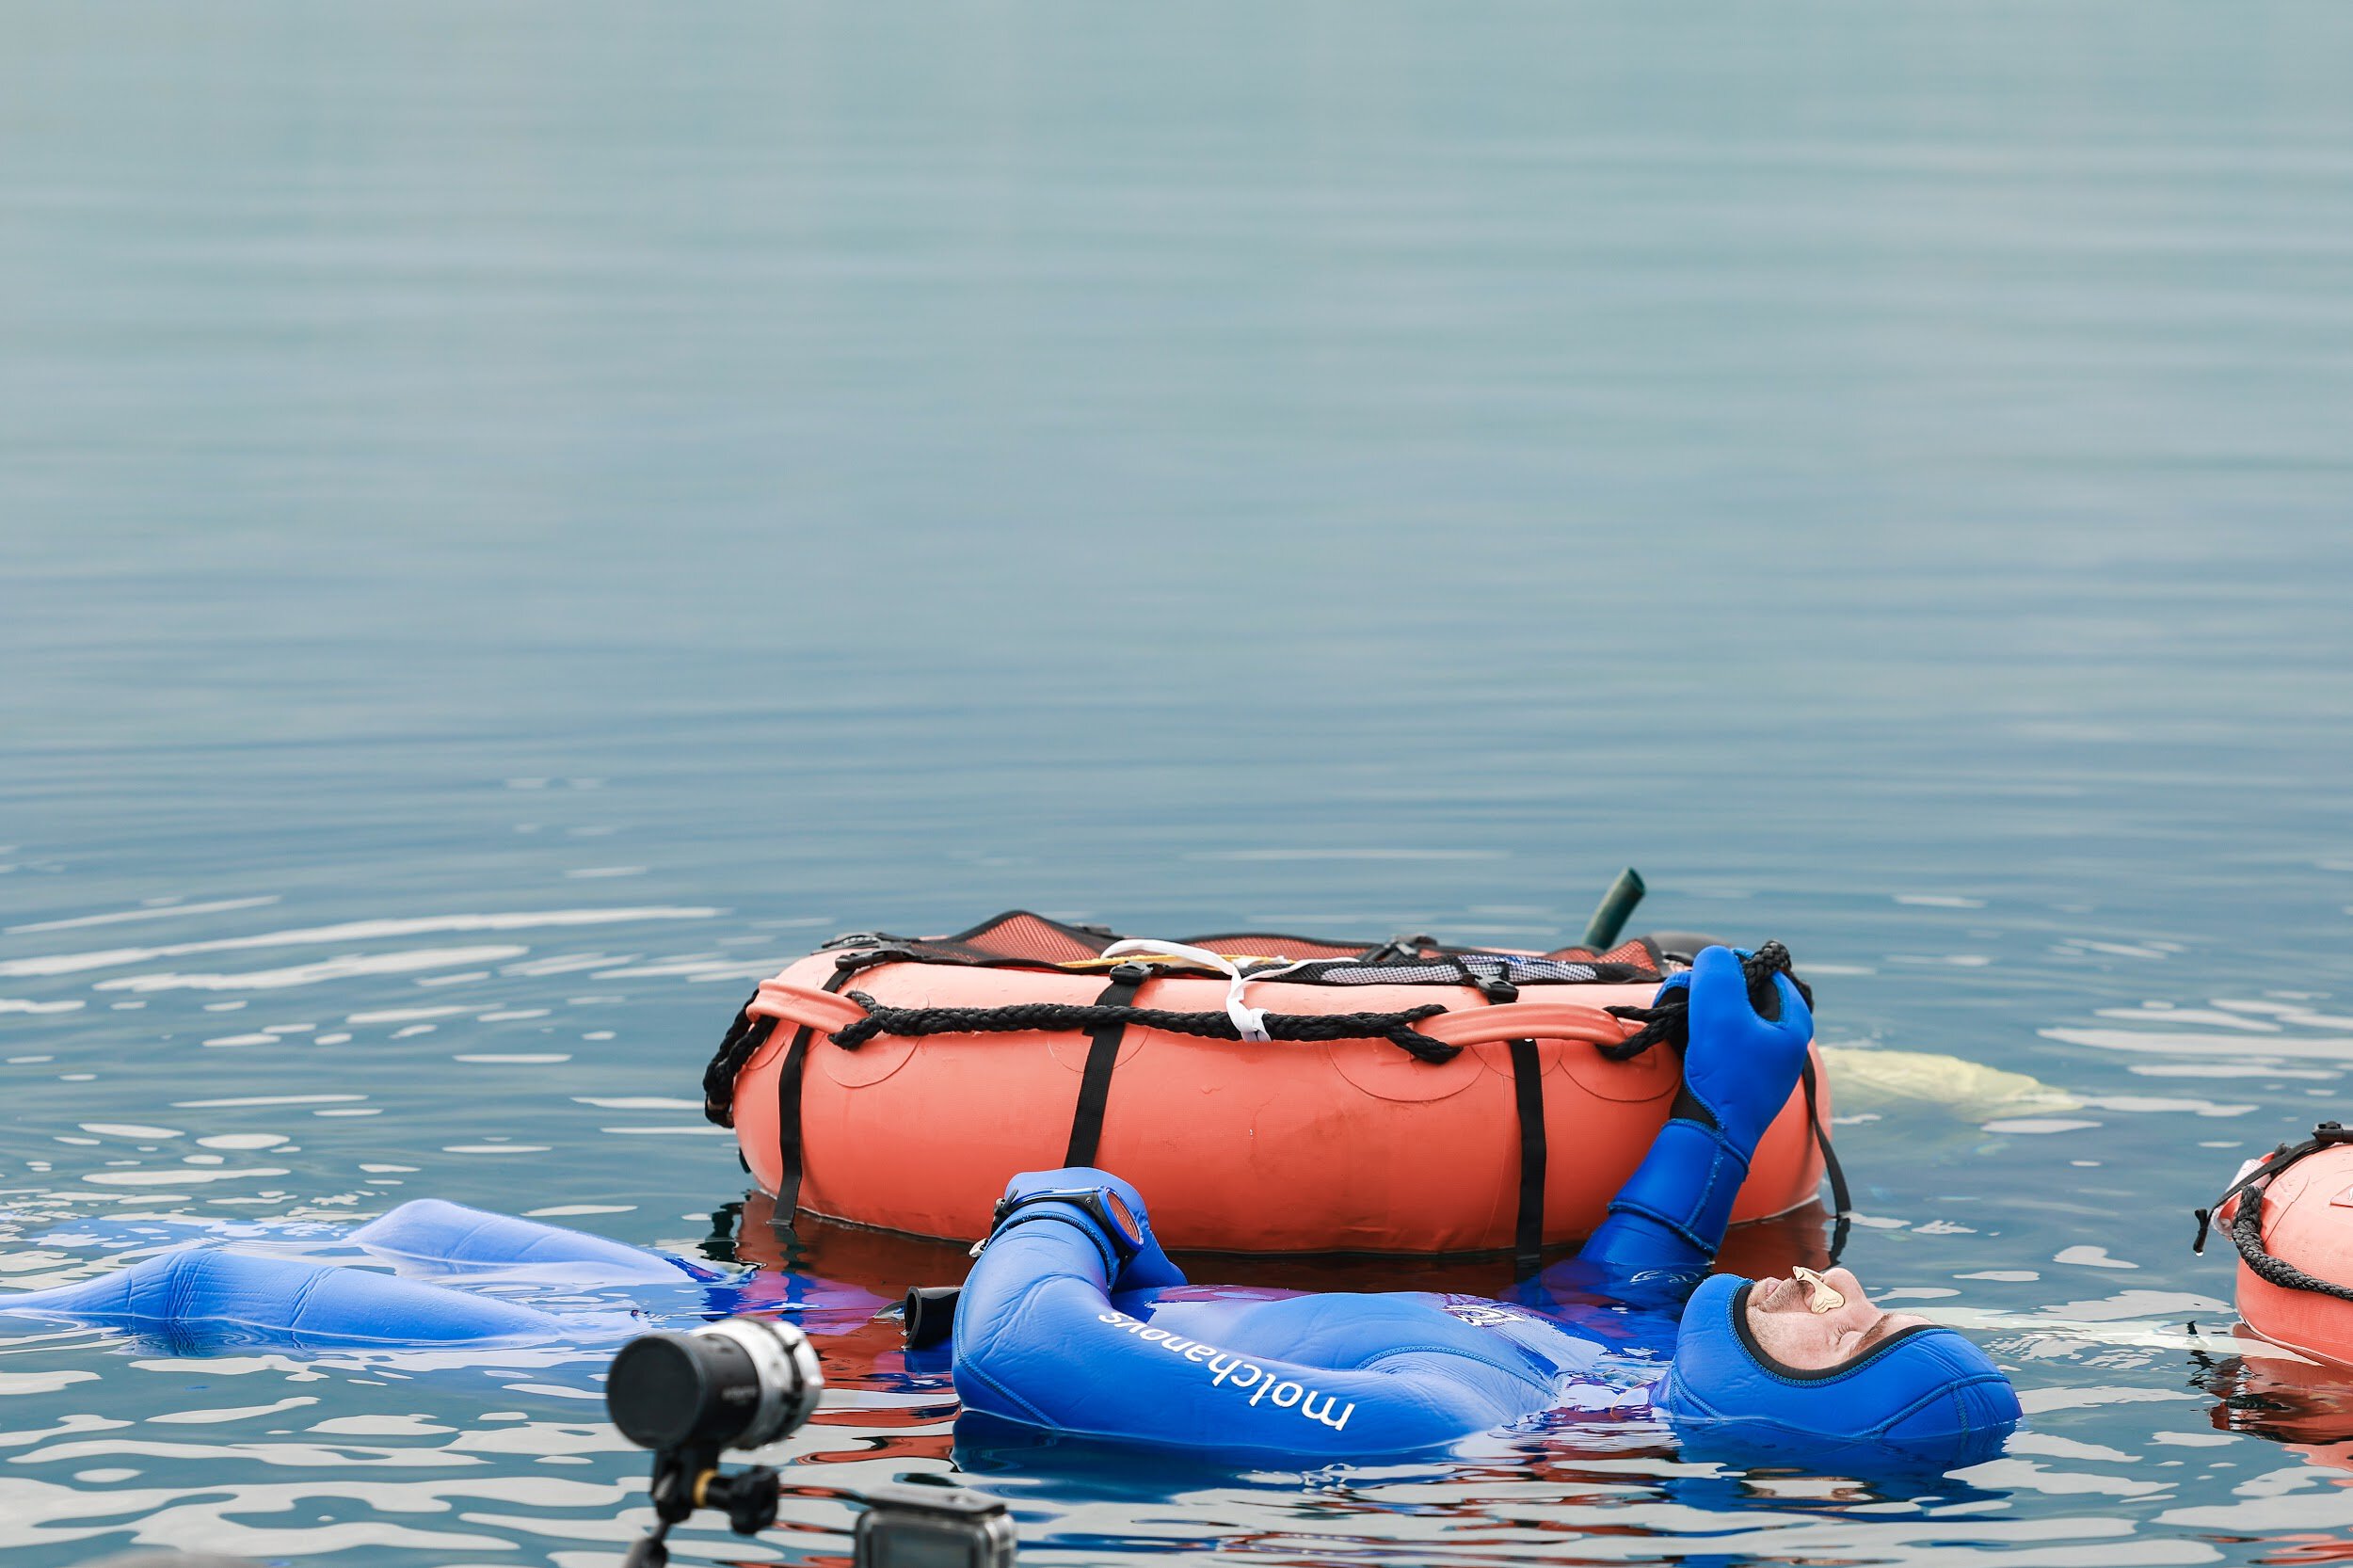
(206, 1299)
(221, 1297)
(431, 1232)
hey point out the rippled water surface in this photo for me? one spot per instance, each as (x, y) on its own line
(516, 520)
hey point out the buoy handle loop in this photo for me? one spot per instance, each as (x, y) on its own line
(805, 1005)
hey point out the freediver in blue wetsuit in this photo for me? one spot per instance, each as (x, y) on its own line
(1074, 1321)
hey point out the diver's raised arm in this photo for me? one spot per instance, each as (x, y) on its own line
(1739, 1070)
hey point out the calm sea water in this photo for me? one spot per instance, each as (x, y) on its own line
(516, 520)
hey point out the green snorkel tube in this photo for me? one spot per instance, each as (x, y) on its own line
(1615, 910)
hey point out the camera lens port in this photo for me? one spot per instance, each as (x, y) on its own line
(742, 1383)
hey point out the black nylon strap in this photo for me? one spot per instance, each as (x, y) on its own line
(1842, 1204)
(1528, 1103)
(789, 1100)
(2326, 1135)
(1527, 1089)
(1095, 1086)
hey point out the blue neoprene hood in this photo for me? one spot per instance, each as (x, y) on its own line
(1925, 1395)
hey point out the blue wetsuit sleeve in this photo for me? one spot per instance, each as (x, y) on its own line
(1738, 1069)
(1038, 1341)
(1672, 1213)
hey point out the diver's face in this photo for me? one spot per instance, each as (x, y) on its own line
(1782, 1317)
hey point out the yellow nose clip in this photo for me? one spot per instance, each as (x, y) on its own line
(1821, 1294)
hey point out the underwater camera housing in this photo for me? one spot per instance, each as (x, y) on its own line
(744, 1382)
(933, 1527)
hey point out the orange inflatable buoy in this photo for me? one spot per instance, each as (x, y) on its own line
(1271, 1093)
(2291, 1218)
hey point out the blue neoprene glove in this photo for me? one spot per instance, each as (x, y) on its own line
(1741, 1066)
(1737, 1072)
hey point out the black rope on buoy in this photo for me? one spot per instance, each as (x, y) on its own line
(735, 1049)
(1668, 1020)
(1068, 1019)
(2246, 1230)
(749, 1030)
(2247, 1234)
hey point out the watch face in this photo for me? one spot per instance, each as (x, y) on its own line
(1124, 1216)
(1106, 1207)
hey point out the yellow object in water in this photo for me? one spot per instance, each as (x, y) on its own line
(1867, 1077)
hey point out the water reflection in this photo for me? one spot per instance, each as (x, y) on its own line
(2303, 1405)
